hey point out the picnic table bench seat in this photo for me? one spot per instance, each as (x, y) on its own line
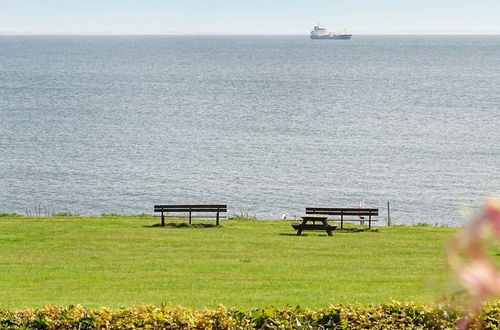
(297, 225)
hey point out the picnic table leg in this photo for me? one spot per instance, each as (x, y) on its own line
(370, 221)
(328, 230)
(301, 227)
(189, 217)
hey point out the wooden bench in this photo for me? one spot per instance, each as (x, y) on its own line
(190, 209)
(362, 213)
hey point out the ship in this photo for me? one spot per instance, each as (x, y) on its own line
(322, 33)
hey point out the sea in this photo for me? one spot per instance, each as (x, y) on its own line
(268, 125)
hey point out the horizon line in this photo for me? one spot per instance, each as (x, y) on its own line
(6, 33)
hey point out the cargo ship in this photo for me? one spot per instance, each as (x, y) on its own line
(322, 33)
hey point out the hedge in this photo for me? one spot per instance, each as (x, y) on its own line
(388, 316)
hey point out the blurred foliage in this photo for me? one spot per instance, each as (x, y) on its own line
(242, 216)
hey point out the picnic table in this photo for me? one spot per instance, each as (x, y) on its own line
(304, 225)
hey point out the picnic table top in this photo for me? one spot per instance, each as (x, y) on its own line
(314, 216)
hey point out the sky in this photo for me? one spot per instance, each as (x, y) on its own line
(249, 16)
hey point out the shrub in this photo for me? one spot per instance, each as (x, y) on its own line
(145, 215)
(104, 215)
(7, 214)
(394, 315)
(66, 214)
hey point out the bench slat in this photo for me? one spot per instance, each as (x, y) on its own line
(180, 206)
(190, 210)
(340, 208)
(193, 216)
(338, 211)
(329, 209)
(351, 220)
(347, 213)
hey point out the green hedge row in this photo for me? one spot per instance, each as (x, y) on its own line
(389, 316)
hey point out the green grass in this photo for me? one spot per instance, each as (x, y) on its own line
(119, 261)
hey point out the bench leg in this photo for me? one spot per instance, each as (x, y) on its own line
(162, 219)
(370, 222)
(217, 219)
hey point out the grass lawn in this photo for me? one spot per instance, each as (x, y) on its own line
(122, 261)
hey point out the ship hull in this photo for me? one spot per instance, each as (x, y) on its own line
(338, 37)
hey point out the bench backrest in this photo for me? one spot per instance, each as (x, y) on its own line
(190, 208)
(341, 211)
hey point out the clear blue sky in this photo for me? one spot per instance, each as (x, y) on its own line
(249, 17)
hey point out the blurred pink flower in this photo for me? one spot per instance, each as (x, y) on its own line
(492, 214)
(466, 255)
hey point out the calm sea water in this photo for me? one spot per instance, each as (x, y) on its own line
(268, 125)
